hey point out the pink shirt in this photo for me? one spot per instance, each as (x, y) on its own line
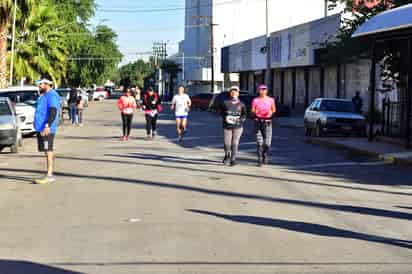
(263, 107)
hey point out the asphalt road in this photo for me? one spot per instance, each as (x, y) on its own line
(167, 207)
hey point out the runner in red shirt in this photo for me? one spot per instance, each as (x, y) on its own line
(127, 106)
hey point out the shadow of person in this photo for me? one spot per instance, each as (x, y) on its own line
(17, 178)
(308, 228)
(24, 267)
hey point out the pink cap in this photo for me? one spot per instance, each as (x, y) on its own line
(262, 87)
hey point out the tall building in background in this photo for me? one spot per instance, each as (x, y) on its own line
(234, 21)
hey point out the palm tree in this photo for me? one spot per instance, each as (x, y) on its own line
(41, 47)
(6, 8)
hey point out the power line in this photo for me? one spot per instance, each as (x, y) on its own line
(164, 9)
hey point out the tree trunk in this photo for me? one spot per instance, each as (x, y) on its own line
(3, 55)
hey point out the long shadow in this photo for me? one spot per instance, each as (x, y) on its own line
(25, 267)
(277, 179)
(173, 159)
(404, 207)
(334, 207)
(308, 228)
(16, 178)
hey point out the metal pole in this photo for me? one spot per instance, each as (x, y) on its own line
(268, 78)
(212, 55)
(183, 67)
(326, 8)
(409, 96)
(12, 43)
(372, 89)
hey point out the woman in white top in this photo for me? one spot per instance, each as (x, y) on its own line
(181, 104)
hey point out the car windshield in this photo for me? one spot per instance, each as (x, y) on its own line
(337, 106)
(62, 92)
(24, 96)
(4, 108)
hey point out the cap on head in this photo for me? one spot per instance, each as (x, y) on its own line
(234, 88)
(262, 87)
(44, 81)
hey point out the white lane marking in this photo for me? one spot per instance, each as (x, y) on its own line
(4, 164)
(340, 164)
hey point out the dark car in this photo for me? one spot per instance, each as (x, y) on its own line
(201, 101)
(218, 99)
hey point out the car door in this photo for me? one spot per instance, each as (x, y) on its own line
(311, 114)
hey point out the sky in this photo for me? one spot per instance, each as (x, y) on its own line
(137, 30)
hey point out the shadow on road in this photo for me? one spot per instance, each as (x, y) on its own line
(308, 228)
(24, 267)
(326, 206)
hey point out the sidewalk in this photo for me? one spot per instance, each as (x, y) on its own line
(389, 153)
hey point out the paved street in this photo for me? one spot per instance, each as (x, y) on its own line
(167, 207)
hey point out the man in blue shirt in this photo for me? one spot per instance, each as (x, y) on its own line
(46, 120)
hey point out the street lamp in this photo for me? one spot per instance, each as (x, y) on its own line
(13, 42)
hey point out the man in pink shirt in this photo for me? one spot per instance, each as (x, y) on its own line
(264, 108)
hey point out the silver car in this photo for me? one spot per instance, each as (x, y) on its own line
(10, 134)
(327, 115)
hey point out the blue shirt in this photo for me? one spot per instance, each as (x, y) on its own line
(48, 100)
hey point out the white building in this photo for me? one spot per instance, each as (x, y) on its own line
(236, 20)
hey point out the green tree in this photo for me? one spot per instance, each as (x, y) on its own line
(134, 73)
(40, 47)
(6, 12)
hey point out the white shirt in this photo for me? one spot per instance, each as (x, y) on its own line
(181, 103)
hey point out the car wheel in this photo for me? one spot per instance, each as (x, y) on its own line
(14, 148)
(318, 131)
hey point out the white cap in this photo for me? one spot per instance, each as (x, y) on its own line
(234, 88)
(44, 81)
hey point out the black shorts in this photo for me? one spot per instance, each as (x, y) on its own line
(45, 143)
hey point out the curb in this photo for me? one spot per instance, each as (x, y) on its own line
(386, 158)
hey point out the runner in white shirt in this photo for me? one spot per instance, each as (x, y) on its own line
(181, 104)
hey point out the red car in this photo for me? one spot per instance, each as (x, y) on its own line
(201, 101)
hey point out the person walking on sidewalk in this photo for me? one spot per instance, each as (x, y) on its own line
(80, 109)
(358, 102)
(46, 120)
(263, 108)
(72, 102)
(234, 115)
(127, 105)
(181, 104)
(152, 106)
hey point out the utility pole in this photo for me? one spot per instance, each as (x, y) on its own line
(12, 43)
(268, 74)
(326, 8)
(212, 48)
(160, 54)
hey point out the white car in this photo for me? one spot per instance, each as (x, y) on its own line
(100, 94)
(24, 99)
(10, 134)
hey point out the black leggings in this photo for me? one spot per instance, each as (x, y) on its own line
(127, 123)
(151, 123)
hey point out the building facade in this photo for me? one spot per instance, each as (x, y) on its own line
(297, 75)
(234, 21)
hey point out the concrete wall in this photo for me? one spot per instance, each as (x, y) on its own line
(314, 84)
(300, 88)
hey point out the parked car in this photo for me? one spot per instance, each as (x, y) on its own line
(10, 134)
(24, 100)
(64, 94)
(327, 115)
(100, 94)
(201, 101)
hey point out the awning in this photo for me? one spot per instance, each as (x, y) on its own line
(392, 20)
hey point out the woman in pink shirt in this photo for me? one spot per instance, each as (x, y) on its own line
(264, 108)
(127, 105)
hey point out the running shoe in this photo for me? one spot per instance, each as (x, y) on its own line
(233, 163)
(123, 138)
(45, 180)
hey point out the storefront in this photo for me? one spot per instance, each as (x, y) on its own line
(390, 36)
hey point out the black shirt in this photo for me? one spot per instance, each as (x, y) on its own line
(73, 97)
(234, 113)
(151, 102)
